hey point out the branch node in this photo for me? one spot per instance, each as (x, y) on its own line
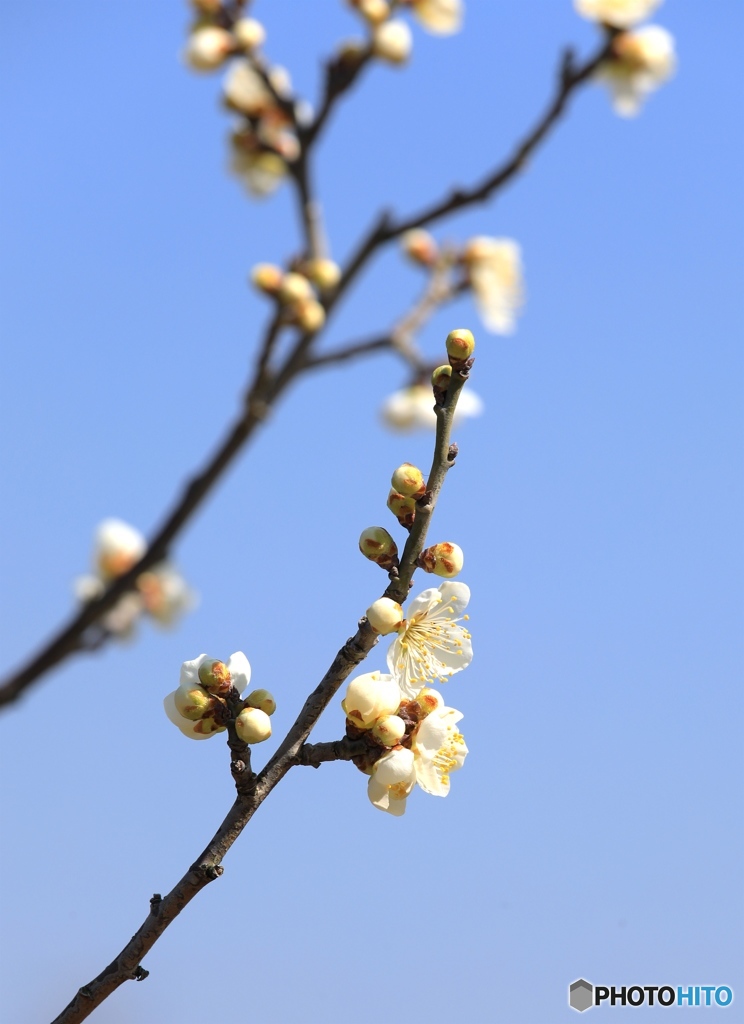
(85, 992)
(139, 973)
(213, 871)
(452, 452)
(155, 902)
(237, 767)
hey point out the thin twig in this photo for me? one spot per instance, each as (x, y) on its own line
(292, 751)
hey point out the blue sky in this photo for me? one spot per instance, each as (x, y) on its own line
(596, 828)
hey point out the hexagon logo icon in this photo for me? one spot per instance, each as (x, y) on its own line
(580, 995)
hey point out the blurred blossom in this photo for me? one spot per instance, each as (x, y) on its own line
(208, 48)
(618, 13)
(641, 62)
(494, 268)
(413, 408)
(419, 246)
(392, 41)
(259, 170)
(442, 17)
(246, 92)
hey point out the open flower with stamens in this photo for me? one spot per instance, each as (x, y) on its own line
(438, 749)
(200, 680)
(431, 645)
(494, 268)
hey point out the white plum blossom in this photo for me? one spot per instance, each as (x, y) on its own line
(117, 547)
(165, 594)
(641, 62)
(437, 749)
(618, 13)
(370, 696)
(392, 41)
(393, 777)
(442, 17)
(260, 171)
(431, 645)
(239, 670)
(412, 408)
(495, 271)
(245, 90)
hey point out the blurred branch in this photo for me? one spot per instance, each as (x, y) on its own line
(266, 387)
(253, 790)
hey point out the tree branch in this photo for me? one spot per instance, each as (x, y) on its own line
(252, 790)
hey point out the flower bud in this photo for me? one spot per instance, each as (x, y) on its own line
(419, 246)
(249, 33)
(193, 702)
(373, 11)
(325, 274)
(460, 346)
(207, 726)
(215, 676)
(392, 42)
(388, 730)
(403, 508)
(208, 48)
(428, 700)
(351, 53)
(440, 379)
(442, 559)
(369, 697)
(294, 288)
(376, 544)
(384, 615)
(309, 314)
(253, 725)
(267, 277)
(262, 700)
(207, 6)
(408, 480)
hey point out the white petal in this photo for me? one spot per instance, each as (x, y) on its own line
(186, 727)
(240, 670)
(380, 797)
(395, 767)
(455, 599)
(190, 671)
(442, 17)
(425, 603)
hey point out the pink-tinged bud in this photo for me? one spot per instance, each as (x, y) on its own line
(215, 676)
(442, 559)
(208, 48)
(384, 615)
(408, 480)
(294, 288)
(193, 702)
(262, 700)
(309, 315)
(460, 346)
(389, 730)
(249, 34)
(403, 508)
(377, 545)
(267, 278)
(419, 246)
(253, 725)
(325, 274)
(392, 42)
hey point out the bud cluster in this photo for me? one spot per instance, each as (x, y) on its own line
(390, 38)
(377, 714)
(297, 290)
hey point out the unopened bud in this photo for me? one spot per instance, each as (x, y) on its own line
(325, 274)
(442, 559)
(215, 676)
(373, 11)
(408, 480)
(369, 697)
(208, 48)
(294, 288)
(262, 700)
(419, 246)
(389, 730)
(267, 277)
(384, 615)
(441, 377)
(376, 544)
(253, 725)
(460, 346)
(392, 42)
(402, 507)
(193, 702)
(207, 726)
(428, 700)
(351, 52)
(249, 33)
(309, 314)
